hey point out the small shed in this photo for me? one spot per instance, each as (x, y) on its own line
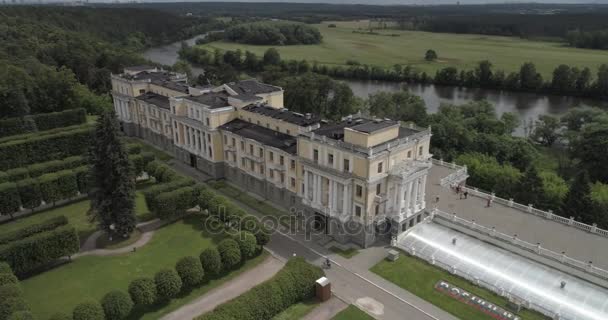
(323, 289)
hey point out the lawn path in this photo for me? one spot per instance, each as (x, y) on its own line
(148, 228)
(327, 310)
(228, 291)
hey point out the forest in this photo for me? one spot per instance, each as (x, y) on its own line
(57, 58)
(273, 33)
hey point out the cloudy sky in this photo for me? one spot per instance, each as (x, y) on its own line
(385, 2)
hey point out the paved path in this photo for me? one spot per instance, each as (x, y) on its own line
(552, 235)
(147, 228)
(350, 282)
(326, 310)
(228, 291)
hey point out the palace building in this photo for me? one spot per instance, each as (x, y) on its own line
(355, 180)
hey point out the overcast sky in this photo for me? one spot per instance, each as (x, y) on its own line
(384, 2)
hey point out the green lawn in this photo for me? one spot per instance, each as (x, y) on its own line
(348, 253)
(460, 50)
(60, 289)
(419, 278)
(352, 313)
(298, 310)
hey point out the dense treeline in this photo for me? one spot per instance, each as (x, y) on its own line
(273, 33)
(595, 39)
(56, 58)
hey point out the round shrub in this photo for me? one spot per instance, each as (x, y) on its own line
(60, 316)
(168, 284)
(8, 278)
(247, 243)
(10, 290)
(230, 253)
(190, 270)
(143, 291)
(211, 261)
(10, 305)
(5, 268)
(21, 315)
(90, 310)
(116, 305)
(262, 236)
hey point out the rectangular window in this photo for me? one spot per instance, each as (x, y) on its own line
(281, 160)
(282, 177)
(271, 156)
(252, 166)
(357, 211)
(409, 154)
(378, 188)
(261, 152)
(271, 173)
(242, 146)
(225, 139)
(293, 164)
(233, 142)
(251, 149)
(208, 122)
(288, 131)
(210, 153)
(377, 209)
(346, 165)
(242, 162)
(315, 155)
(261, 169)
(380, 167)
(420, 150)
(278, 129)
(359, 191)
(330, 159)
(293, 182)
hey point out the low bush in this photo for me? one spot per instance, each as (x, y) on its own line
(9, 198)
(21, 315)
(293, 284)
(176, 202)
(10, 290)
(191, 271)
(11, 305)
(168, 284)
(38, 250)
(38, 169)
(211, 261)
(133, 148)
(58, 185)
(90, 310)
(143, 291)
(47, 225)
(5, 268)
(247, 243)
(17, 174)
(8, 278)
(230, 253)
(83, 178)
(116, 305)
(151, 193)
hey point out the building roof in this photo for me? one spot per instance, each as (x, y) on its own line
(336, 130)
(173, 85)
(284, 115)
(139, 68)
(155, 99)
(262, 135)
(252, 87)
(373, 126)
(214, 100)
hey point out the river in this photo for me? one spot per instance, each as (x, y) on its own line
(528, 106)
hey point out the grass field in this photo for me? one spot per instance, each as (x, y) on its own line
(419, 278)
(90, 277)
(352, 313)
(460, 50)
(298, 310)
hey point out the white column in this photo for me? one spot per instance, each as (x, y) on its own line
(318, 189)
(344, 198)
(330, 195)
(423, 192)
(408, 196)
(399, 199)
(305, 184)
(415, 197)
(334, 196)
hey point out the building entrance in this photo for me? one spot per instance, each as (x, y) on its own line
(193, 160)
(320, 223)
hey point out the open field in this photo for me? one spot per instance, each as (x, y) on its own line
(90, 277)
(460, 50)
(419, 278)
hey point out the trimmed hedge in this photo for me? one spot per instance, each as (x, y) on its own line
(5, 268)
(21, 315)
(38, 169)
(47, 225)
(29, 193)
(116, 305)
(168, 284)
(9, 198)
(90, 310)
(58, 185)
(38, 250)
(16, 174)
(211, 261)
(41, 121)
(143, 292)
(247, 243)
(12, 303)
(151, 193)
(42, 147)
(190, 270)
(293, 284)
(175, 202)
(8, 278)
(230, 253)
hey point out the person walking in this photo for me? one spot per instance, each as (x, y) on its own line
(466, 194)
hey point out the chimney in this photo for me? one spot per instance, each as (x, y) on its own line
(308, 116)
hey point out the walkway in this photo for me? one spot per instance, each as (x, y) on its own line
(351, 280)
(552, 235)
(228, 291)
(147, 228)
(326, 310)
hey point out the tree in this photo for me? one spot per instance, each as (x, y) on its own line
(247, 244)
(272, 57)
(190, 270)
(114, 188)
(116, 305)
(563, 79)
(601, 83)
(230, 252)
(143, 291)
(578, 200)
(592, 151)
(531, 189)
(546, 130)
(529, 78)
(211, 261)
(168, 284)
(483, 72)
(401, 105)
(430, 55)
(90, 310)
(252, 62)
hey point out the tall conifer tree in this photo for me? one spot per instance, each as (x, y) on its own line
(578, 203)
(114, 187)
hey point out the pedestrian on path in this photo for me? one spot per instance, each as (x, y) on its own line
(489, 204)
(466, 194)
(437, 199)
